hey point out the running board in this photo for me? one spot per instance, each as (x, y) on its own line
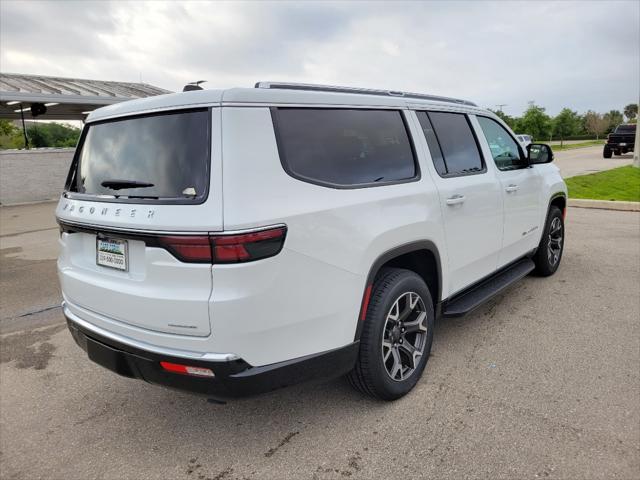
(467, 301)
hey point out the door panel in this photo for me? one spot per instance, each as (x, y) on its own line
(520, 189)
(469, 195)
(473, 226)
(521, 198)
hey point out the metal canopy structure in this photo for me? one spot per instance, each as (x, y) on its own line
(64, 98)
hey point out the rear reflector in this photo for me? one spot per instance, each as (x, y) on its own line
(365, 303)
(242, 247)
(186, 369)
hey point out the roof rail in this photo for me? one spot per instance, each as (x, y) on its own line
(360, 91)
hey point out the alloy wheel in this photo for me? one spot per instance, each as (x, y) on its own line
(554, 247)
(404, 336)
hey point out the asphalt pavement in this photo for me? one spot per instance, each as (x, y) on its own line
(582, 161)
(542, 382)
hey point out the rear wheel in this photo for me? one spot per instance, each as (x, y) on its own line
(606, 153)
(396, 336)
(549, 253)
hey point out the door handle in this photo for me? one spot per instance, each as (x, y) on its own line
(456, 199)
(512, 188)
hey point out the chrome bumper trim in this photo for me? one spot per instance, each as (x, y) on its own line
(210, 357)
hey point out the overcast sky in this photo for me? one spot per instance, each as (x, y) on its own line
(583, 55)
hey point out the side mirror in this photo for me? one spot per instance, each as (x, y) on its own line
(539, 153)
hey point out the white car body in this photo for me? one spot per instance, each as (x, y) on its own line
(305, 300)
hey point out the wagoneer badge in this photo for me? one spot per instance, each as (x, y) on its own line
(117, 212)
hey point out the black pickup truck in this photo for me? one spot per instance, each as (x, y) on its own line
(621, 140)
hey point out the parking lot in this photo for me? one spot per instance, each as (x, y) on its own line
(543, 382)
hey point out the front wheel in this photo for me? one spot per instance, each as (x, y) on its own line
(549, 253)
(396, 336)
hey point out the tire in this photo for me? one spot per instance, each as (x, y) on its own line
(549, 253)
(372, 374)
(618, 153)
(606, 153)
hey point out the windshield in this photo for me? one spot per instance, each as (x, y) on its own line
(626, 129)
(155, 157)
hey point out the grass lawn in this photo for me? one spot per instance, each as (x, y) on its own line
(569, 146)
(621, 184)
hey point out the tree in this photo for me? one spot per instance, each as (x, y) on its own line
(535, 123)
(631, 111)
(580, 127)
(595, 124)
(10, 135)
(614, 118)
(6, 127)
(505, 118)
(52, 135)
(565, 124)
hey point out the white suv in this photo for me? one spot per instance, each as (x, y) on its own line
(229, 242)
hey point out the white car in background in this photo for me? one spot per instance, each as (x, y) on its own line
(524, 140)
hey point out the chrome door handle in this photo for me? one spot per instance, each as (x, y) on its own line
(456, 199)
(512, 188)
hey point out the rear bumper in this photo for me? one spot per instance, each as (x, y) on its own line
(232, 378)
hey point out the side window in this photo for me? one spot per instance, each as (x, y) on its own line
(343, 147)
(504, 149)
(452, 143)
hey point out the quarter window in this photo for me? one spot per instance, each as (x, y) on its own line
(344, 148)
(504, 149)
(452, 143)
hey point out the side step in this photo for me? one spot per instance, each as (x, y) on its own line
(467, 301)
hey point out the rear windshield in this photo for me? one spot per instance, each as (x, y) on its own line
(626, 128)
(158, 157)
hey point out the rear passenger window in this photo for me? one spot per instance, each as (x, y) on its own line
(343, 148)
(452, 143)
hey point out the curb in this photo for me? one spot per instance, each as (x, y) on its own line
(605, 204)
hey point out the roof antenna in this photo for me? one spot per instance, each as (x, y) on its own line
(193, 86)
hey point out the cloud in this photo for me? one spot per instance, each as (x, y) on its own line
(574, 54)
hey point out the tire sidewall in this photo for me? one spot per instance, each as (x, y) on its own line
(543, 264)
(377, 314)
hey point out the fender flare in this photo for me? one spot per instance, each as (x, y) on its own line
(390, 255)
(553, 197)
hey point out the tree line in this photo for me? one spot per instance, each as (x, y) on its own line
(535, 122)
(50, 134)
(568, 123)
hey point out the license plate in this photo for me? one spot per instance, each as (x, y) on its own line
(112, 253)
(623, 144)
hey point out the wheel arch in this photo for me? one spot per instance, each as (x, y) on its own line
(559, 200)
(421, 257)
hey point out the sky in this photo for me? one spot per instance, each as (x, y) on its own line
(581, 55)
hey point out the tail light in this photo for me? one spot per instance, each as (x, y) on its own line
(236, 248)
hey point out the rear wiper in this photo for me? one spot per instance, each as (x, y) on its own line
(119, 184)
(141, 196)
